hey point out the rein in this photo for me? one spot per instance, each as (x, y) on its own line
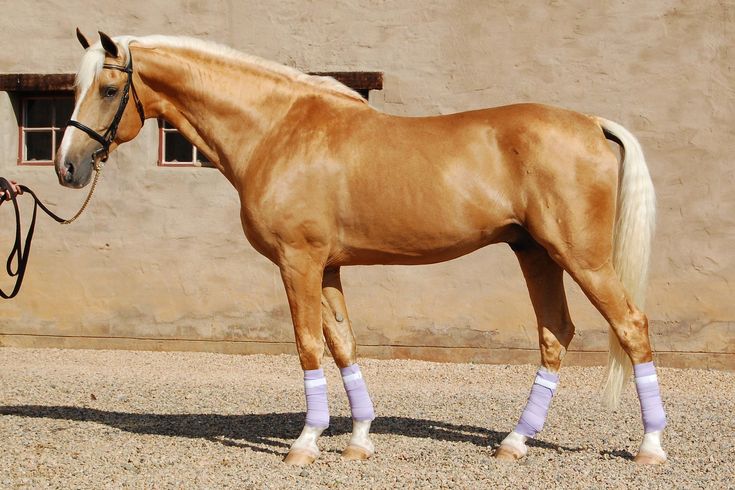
(21, 248)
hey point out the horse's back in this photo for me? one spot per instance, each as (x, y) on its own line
(450, 184)
(386, 189)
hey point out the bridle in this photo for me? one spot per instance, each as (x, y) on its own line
(100, 155)
(108, 137)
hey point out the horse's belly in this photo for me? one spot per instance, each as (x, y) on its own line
(423, 225)
(417, 245)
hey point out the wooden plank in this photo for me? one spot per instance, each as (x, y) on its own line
(37, 82)
(356, 80)
(64, 82)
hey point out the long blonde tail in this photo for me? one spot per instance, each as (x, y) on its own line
(634, 227)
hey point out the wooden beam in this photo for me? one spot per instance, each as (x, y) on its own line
(362, 81)
(356, 80)
(37, 82)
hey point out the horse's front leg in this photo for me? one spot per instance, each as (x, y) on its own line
(302, 278)
(341, 342)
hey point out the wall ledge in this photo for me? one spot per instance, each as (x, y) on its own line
(676, 359)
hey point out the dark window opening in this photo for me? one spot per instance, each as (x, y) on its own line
(42, 123)
(176, 150)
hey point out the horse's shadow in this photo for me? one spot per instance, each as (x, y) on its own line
(260, 432)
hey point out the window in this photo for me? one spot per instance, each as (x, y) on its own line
(43, 120)
(175, 150)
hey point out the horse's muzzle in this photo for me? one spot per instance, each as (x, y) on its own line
(74, 175)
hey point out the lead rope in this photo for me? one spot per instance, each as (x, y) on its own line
(21, 251)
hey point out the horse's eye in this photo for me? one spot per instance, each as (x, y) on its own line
(110, 91)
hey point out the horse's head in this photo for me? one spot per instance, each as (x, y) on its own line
(107, 111)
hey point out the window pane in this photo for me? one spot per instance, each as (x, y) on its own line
(59, 136)
(201, 157)
(38, 146)
(38, 113)
(64, 108)
(177, 148)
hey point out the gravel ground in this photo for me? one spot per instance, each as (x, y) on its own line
(99, 419)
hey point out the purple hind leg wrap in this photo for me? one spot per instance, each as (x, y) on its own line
(534, 415)
(315, 386)
(360, 402)
(652, 409)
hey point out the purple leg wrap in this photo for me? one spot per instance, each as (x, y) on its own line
(315, 386)
(360, 402)
(652, 409)
(533, 417)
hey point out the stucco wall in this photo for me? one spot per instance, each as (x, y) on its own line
(159, 260)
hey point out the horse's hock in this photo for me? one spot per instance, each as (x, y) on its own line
(186, 280)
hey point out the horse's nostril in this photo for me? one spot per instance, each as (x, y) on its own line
(69, 174)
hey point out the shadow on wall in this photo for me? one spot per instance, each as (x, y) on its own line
(260, 432)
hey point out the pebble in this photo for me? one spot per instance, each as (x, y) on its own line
(183, 420)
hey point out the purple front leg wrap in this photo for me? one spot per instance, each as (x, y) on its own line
(533, 417)
(652, 409)
(315, 386)
(360, 402)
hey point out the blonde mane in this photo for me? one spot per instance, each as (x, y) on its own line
(93, 60)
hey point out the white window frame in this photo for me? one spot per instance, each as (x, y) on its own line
(163, 131)
(23, 129)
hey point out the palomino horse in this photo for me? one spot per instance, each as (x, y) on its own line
(326, 181)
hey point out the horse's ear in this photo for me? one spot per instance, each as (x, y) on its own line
(82, 40)
(108, 44)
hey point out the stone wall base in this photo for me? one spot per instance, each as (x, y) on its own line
(678, 359)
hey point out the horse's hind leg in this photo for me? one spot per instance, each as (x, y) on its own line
(630, 325)
(341, 342)
(335, 320)
(546, 288)
(580, 247)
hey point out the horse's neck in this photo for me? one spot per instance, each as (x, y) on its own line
(220, 107)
